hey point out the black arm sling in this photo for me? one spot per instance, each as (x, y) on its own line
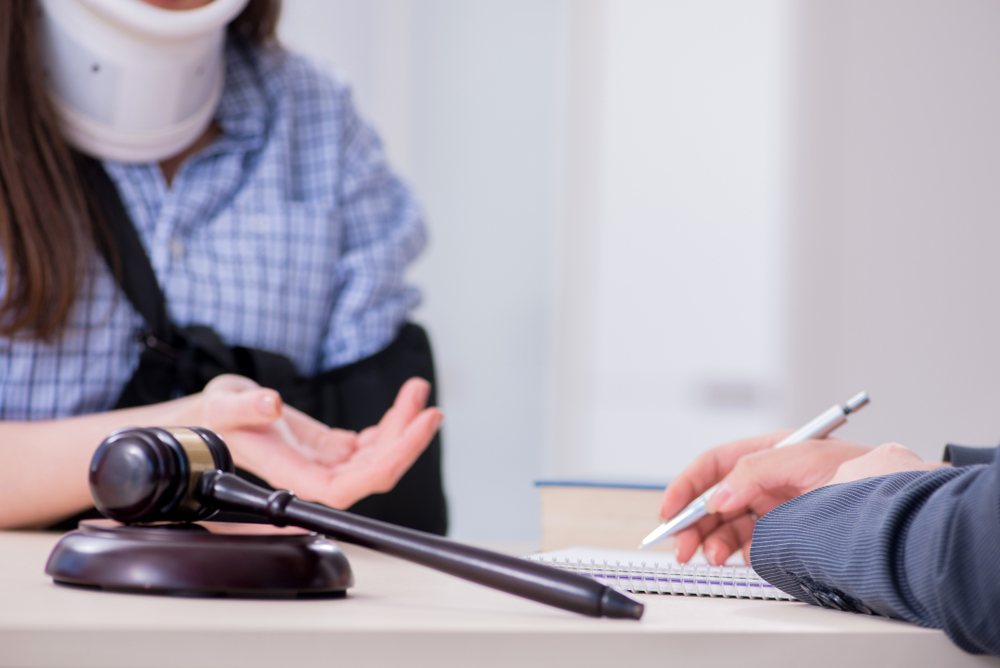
(181, 360)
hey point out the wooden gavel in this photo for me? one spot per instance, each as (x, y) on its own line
(186, 474)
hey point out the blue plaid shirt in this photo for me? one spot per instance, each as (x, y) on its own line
(289, 233)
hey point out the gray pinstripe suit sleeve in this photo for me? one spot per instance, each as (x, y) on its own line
(918, 546)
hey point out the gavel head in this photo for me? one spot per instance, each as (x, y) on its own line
(144, 475)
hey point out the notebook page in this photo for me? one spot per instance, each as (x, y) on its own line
(659, 573)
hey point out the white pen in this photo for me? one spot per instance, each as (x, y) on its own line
(820, 427)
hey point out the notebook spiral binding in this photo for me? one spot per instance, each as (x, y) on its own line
(675, 579)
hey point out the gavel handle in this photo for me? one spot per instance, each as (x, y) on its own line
(520, 577)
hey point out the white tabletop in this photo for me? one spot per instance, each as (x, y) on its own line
(403, 615)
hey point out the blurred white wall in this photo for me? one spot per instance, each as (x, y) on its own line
(485, 163)
(670, 317)
(478, 84)
(897, 217)
(660, 224)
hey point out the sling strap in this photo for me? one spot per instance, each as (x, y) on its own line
(174, 359)
(182, 360)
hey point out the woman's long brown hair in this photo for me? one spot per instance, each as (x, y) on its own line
(47, 230)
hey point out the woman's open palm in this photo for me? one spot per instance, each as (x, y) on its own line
(291, 450)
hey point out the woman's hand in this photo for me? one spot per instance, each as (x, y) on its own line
(755, 478)
(291, 450)
(44, 463)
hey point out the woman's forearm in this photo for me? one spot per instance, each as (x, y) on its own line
(44, 464)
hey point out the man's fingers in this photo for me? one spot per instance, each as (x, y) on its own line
(791, 470)
(686, 543)
(719, 545)
(688, 485)
(754, 477)
(706, 470)
(727, 539)
(709, 468)
(758, 474)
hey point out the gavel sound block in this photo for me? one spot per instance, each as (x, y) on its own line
(142, 476)
(203, 558)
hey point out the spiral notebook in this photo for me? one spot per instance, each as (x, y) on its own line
(659, 573)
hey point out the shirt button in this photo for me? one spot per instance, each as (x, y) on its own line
(839, 602)
(825, 600)
(260, 223)
(176, 248)
(862, 608)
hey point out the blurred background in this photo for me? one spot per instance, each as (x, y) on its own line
(658, 225)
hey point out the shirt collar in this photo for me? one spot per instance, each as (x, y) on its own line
(244, 108)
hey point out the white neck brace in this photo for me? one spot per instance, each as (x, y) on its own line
(133, 82)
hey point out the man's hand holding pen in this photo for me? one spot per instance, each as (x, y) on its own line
(755, 478)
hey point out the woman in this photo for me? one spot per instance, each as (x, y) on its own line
(268, 215)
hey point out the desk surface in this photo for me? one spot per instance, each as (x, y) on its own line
(399, 614)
